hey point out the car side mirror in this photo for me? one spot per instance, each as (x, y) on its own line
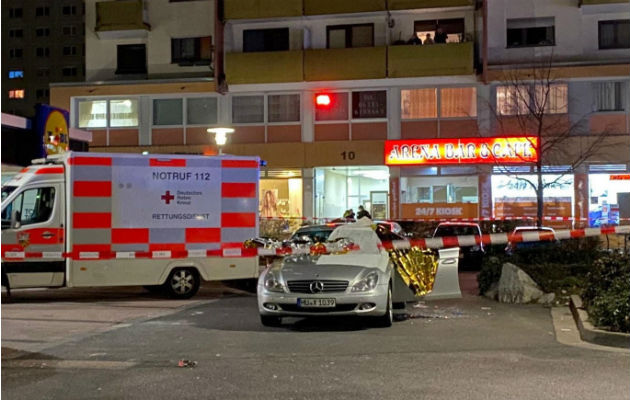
(16, 219)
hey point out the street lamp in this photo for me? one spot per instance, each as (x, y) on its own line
(220, 136)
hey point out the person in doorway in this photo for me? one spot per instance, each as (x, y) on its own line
(363, 213)
(427, 39)
(414, 39)
(440, 35)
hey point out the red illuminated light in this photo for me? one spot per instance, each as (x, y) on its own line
(322, 100)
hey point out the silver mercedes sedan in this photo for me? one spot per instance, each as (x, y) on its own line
(358, 282)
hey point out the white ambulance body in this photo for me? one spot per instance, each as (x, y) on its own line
(89, 219)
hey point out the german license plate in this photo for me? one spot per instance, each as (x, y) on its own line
(316, 303)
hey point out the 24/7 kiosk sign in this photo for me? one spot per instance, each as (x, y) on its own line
(492, 150)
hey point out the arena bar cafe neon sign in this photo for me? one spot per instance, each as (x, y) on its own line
(491, 150)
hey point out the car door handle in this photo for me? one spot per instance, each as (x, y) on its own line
(48, 235)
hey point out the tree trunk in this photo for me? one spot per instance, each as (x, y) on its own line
(539, 200)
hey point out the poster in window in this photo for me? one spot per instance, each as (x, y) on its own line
(369, 104)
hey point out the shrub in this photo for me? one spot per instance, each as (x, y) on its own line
(490, 272)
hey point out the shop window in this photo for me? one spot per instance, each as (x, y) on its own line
(609, 196)
(69, 10)
(131, 59)
(336, 110)
(123, 113)
(513, 196)
(614, 34)
(69, 71)
(16, 93)
(344, 36)
(16, 74)
(191, 51)
(369, 104)
(609, 96)
(280, 197)
(452, 30)
(42, 11)
(418, 103)
(69, 30)
(16, 12)
(16, 33)
(283, 108)
(201, 111)
(248, 109)
(15, 53)
(69, 50)
(93, 114)
(530, 32)
(276, 39)
(167, 111)
(42, 32)
(42, 52)
(458, 102)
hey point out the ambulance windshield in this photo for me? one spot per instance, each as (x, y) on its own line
(7, 190)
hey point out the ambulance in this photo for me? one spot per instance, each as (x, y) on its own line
(162, 221)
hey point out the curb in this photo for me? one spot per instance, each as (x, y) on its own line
(590, 333)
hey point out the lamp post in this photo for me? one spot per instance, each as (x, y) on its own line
(220, 136)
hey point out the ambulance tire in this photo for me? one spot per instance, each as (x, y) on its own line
(182, 283)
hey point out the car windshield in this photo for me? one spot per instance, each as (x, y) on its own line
(7, 190)
(314, 234)
(455, 230)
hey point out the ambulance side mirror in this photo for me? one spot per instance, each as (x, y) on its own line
(16, 219)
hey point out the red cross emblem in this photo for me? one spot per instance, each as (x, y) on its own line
(167, 197)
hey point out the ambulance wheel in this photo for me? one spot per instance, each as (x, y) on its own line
(182, 283)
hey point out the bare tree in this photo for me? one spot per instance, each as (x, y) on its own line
(534, 101)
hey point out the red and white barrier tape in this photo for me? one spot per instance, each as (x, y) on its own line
(484, 219)
(429, 243)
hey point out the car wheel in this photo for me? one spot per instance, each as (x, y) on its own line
(388, 318)
(268, 320)
(182, 283)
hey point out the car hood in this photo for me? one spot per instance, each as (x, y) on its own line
(342, 267)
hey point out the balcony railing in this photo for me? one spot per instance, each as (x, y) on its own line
(264, 67)
(344, 64)
(430, 60)
(414, 4)
(243, 9)
(598, 2)
(120, 19)
(317, 7)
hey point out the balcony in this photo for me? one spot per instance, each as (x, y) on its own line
(320, 7)
(432, 60)
(121, 20)
(599, 2)
(264, 67)
(415, 4)
(246, 9)
(345, 64)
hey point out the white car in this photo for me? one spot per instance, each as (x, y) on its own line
(356, 283)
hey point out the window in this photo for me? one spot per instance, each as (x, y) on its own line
(69, 71)
(131, 59)
(265, 40)
(42, 52)
(69, 10)
(201, 111)
(167, 111)
(123, 113)
(16, 74)
(15, 12)
(42, 11)
(69, 50)
(15, 53)
(41, 32)
(93, 114)
(614, 34)
(192, 51)
(525, 99)
(529, 32)
(248, 109)
(512, 100)
(418, 103)
(609, 96)
(556, 101)
(69, 30)
(43, 72)
(32, 206)
(337, 110)
(343, 36)
(283, 108)
(369, 104)
(16, 94)
(42, 93)
(458, 102)
(453, 28)
(16, 33)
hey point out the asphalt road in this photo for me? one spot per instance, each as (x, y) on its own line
(471, 348)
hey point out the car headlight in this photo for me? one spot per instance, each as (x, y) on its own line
(367, 283)
(272, 283)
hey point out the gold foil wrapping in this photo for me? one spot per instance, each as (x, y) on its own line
(416, 267)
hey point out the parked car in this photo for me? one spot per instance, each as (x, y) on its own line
(470, 256)
(519, 239)
(386, 230)
(356, 283)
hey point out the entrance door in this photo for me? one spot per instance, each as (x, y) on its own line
(380, 205)
(33, 237)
